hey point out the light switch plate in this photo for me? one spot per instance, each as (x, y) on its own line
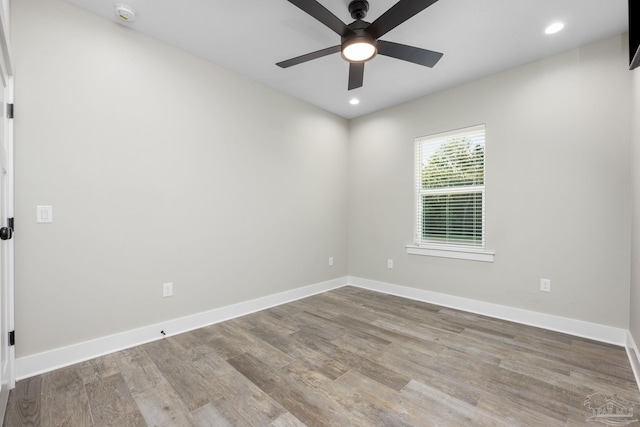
(44, 214)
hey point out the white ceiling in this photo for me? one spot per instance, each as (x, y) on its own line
(477, 37)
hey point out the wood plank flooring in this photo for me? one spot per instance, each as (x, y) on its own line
(348, 357)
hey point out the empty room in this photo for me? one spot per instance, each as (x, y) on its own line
(319, 213)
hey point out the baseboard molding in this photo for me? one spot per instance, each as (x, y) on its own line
(594, 331)
(35, 364)
(634, 357)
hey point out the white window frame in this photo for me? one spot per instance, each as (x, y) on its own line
(450, 249)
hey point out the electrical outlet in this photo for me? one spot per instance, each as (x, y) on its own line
(545, 285)
(389, 263)
(330, 260)
(167, 289)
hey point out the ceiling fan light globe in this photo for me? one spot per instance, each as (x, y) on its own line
(359, 51)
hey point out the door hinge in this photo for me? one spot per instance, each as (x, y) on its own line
(10, 111)
(12, 338)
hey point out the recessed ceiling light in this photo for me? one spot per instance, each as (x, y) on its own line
(354, 101)
(554, 28)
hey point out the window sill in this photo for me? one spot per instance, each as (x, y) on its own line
(450, 252)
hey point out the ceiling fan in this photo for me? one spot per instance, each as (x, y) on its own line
(360, 39)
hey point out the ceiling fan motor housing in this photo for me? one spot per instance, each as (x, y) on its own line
(358, 9)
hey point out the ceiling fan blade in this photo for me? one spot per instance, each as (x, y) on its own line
(356, 74)
(428, 58)
(395, 16)
(322, 14)
(308, 57)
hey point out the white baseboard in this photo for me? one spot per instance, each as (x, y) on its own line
(35, 364)
(634, 357)
(594, 331)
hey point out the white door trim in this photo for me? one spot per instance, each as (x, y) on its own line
(11, 245)
(6, 75)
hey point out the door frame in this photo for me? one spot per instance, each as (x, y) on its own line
(6, 74)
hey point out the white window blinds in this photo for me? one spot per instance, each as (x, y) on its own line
(449, 182)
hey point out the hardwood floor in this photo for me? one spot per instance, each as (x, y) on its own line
(348, 357)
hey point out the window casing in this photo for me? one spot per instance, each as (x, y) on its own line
(450, 189)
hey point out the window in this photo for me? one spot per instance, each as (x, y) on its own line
(450, 200)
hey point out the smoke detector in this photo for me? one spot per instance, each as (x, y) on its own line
(125, 12)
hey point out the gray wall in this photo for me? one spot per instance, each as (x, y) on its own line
(635, 236)
(558, 182)
(161, 167)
